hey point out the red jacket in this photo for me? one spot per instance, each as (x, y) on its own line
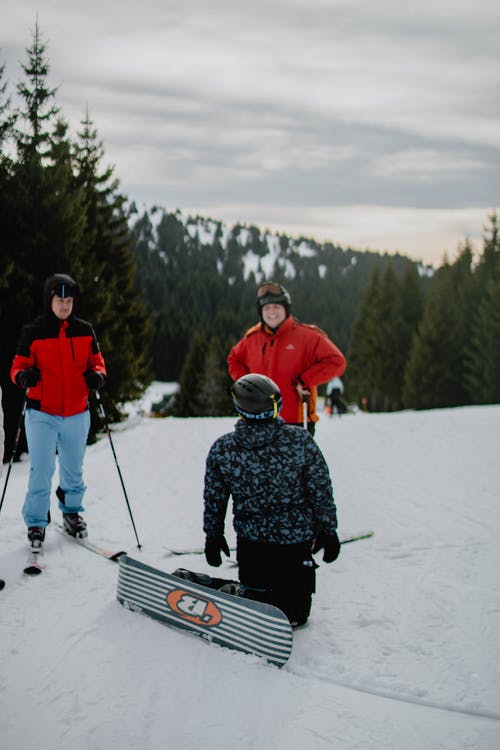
(295, 353)
(62, 351)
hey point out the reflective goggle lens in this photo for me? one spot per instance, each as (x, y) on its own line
(269, 289)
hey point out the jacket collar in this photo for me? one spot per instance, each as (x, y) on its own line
(287, 325)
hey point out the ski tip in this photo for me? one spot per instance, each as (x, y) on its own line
(357, 537)
(117, 555)
(2, 584)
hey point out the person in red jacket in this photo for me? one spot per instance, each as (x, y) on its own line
(57, 360)
(297, 356)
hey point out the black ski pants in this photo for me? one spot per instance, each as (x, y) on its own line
(283, 575)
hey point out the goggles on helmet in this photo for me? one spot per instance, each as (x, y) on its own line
(270, 288)
(64, 290)
(271, 293)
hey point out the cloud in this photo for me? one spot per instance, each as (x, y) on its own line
(294, 106)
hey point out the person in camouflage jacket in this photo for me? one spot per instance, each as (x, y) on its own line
(282, 500)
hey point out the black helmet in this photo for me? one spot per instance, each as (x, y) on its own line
(272, 293)
(256, 397)
(60, 284)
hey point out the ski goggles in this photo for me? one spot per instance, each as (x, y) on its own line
(270, 288)
(272, 294)
(64, 291)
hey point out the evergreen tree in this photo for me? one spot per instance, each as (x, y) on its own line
(213, 396)
(7, 123)
(107, 275)
(7, 116)
(363, 366)
(483, 352)
(59, 213)
(187, 399)
(435, 374)
(42, 215)
(484, 379)
(409, 313)
(382, 336)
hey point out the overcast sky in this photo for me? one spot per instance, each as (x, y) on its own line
(374, 124)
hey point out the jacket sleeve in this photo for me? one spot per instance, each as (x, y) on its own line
(24, 357)
(216, 496)
(319, 491)
(237, 360)
(327, 361)
(96, 360)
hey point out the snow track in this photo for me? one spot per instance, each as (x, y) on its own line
(402, 646)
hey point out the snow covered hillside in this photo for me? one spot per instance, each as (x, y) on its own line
(401, 651)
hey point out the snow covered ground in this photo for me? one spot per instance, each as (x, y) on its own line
(402, 649)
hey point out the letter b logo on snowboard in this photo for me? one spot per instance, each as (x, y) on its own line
(193, 608)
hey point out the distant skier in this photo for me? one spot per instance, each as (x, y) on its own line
(58, 360)
(334, 392)
(282, 498)
(297, 356)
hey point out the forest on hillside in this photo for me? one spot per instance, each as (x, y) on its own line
(168, 295)
(61, 210)
(413, 336)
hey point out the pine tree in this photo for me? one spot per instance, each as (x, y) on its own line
(107, 275)
(435, 373)
(190, 382)
(483, 351)
(409, 313)
(42, 229)
(363, 370)
(484, 381)
(58, 213)
(7, 123)
(7, 116)
(382, 336)
(213, 399)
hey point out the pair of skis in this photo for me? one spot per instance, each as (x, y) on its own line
(34, 566)
(218, 617)
(200, 550)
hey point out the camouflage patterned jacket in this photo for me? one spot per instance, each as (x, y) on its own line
(278, 480)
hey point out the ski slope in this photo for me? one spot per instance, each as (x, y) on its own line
(401, 650)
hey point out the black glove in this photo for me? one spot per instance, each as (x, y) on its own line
(94, 379)
(330, 544)
(213, 547)
(28, 377)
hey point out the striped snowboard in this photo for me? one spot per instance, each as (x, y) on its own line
(241, 624)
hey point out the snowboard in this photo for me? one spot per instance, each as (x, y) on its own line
(230, 621)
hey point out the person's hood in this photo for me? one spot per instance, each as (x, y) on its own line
(252, 435)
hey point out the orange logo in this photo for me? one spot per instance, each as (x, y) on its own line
(194, 609)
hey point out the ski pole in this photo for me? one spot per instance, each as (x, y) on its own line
(304, 411)
(16, 443)
(102, 414)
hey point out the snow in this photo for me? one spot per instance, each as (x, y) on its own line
(401, 650)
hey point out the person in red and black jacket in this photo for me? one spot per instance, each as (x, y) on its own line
(296, 356)
(57, 360)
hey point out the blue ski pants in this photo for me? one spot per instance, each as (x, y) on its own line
(48, 435)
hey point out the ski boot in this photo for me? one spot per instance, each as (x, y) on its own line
(36, 536)
(203, 579)
(74, 525)
(188, 575)
(234, 588)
